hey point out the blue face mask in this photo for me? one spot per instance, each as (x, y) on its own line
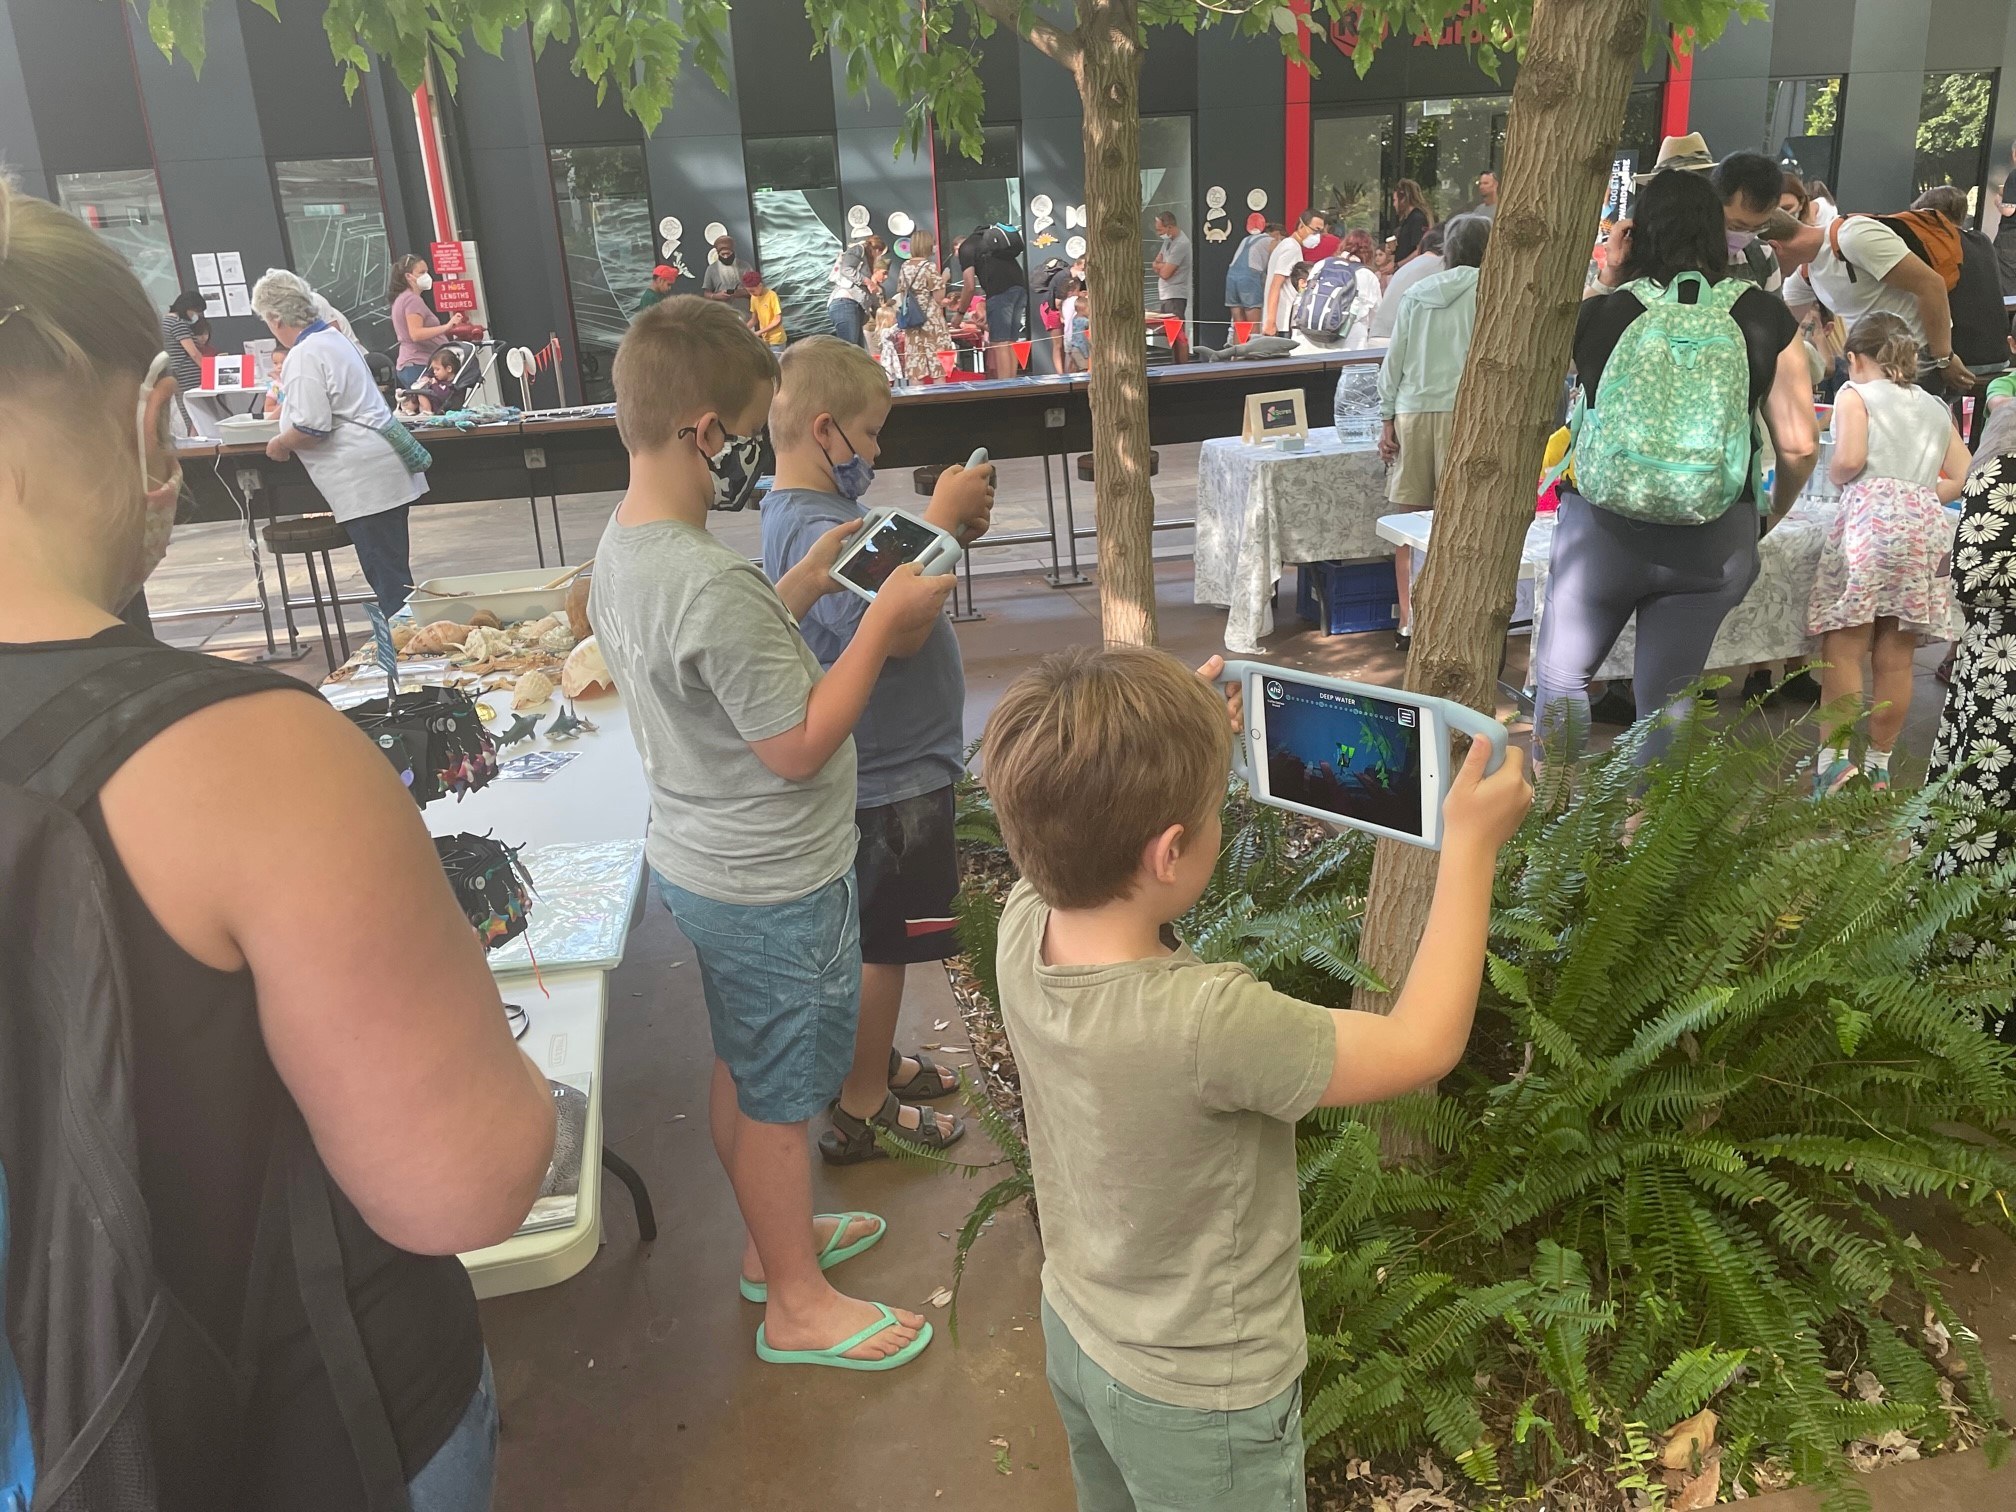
(853, 476)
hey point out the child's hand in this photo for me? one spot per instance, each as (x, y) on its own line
(1235, 694)
(811, 576)
(1485, 812)
(962, 504)
(905, 608)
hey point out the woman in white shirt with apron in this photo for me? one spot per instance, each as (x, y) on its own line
(333, 417)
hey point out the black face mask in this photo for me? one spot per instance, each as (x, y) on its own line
(734, 468)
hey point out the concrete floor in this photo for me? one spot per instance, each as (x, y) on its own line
(635, 1384)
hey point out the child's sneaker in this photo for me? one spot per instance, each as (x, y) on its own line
(1836, 775)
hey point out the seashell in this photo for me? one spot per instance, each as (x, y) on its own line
(434, 639)
(483, 644)
(486, 619)
(534, 688)
(403, 633)
(559, 640)
(586, 673)
(577, 607)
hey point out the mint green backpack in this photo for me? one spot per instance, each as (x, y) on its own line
(1668, 439)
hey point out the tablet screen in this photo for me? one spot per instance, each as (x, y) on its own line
(1342, 754)
(895, 541)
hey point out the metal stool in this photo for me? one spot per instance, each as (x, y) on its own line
(308, 537)
(924, 480)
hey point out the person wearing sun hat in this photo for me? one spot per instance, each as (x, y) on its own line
(1748, 184)
(662, 278)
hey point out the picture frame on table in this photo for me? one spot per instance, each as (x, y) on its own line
(1278, 416)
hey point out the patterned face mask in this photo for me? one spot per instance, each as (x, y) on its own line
(853, 476)
(734, 468)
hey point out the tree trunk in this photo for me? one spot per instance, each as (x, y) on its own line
(1109, 80)
(1567, 114)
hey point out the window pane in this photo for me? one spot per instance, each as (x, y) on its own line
(1449, 143)
(1353, 170)
(605, 226)
(1802, 125)
(1642, 127)
(979, 194)
(1953, 133)
(1165, 185)
(794, 198)
(124, 206)
(336, 239)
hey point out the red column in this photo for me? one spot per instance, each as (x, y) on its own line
(1679, 86)
(1296, 185)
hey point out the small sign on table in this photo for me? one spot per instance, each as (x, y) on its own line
(1271, 417)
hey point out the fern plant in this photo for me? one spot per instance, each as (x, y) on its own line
(1741, 1040)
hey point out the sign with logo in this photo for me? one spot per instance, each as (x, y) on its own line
(1617, 197)
(454, 296)
(446, 259)
(224, 372)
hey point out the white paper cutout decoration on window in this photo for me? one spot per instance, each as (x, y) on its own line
(1074, 215)
(1215, 196)
(714, 232)
(1041, 206)
(669, 228)
(902, 247)
(858, 219)
(1075, 247)
(901, 224)
(1257, 200)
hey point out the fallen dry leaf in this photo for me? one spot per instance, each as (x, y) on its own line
(1687, 1440)
(1867, 1387)
(1702, 1490)
(941, 1296)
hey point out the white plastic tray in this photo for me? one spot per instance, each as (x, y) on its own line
(511, 596)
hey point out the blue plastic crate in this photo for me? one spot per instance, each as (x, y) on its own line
(1348, 598)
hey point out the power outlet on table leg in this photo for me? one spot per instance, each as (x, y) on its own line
(535, 457)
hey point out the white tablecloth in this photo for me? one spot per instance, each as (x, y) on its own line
(1259, 507)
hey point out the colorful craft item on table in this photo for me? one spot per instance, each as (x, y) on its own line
(434, 739)
(490, 883)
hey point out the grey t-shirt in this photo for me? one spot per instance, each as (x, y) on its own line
(1175, 251)
(912, 736)
(1161, 1097)
(726, 278)
(708, 660)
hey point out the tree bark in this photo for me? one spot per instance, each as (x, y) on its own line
(1567, 114)
(1108, 69)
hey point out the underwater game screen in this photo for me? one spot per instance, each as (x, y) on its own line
(1356, 758)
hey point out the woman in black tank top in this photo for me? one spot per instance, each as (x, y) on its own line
(307, 1010)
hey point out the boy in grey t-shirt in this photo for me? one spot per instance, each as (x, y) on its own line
(750, 759)
(1161, 1091)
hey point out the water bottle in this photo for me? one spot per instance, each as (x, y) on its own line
(1358, 407)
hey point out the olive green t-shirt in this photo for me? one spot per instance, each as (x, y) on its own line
(1161, 1098)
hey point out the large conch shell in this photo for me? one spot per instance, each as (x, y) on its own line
(534, 688)
(439, 637)
(586, 673)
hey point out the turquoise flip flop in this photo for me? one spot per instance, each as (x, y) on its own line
(837, 1355)
(757, 1291)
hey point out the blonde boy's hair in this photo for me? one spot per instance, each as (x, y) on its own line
(823, 375)
(680, 359)
(1090, 755)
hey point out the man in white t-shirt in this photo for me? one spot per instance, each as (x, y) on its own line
(1873, 269)
(1289, 251)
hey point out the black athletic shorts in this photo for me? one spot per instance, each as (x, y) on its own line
(908, 872)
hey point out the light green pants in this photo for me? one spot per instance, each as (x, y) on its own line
(1132, 1454)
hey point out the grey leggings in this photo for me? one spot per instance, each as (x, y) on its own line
(1680, 580)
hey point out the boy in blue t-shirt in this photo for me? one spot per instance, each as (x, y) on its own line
(826, 426)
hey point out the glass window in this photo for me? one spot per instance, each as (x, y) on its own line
(1165, 185)
(979, 194)
(1642, 125)
(1953, 133)
(605, 226)
(124, 206)
(335, 223)
(1802, 125)
(794, 199)
(1448, 143)
(1353, 169)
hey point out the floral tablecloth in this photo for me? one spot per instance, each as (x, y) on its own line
(1259, 508)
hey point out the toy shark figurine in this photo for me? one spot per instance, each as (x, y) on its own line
(567, 724)
(522, 727)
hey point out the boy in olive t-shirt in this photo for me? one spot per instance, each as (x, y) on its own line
(1161, 1091)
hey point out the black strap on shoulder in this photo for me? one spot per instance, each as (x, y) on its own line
(325, 1298)
(65, 749)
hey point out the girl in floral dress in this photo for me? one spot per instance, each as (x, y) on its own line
(1976, 746)
(1883, 572)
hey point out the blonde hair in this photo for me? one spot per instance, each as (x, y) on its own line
(77, 336)
(923, 244)
(1094, 752)
(823, 375)
(680, 359)
(1886, 341)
